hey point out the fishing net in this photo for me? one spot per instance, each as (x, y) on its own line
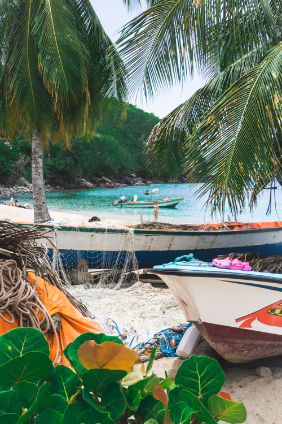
(258, 262)
(108, 259)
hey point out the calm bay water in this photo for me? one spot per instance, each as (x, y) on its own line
(189, 210)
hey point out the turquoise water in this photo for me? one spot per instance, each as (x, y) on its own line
(189, 210)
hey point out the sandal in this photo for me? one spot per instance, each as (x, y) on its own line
(245, 265)
(224, 263)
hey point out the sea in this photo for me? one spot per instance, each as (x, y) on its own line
(98, 201)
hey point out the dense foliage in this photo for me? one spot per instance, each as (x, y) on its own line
(115, 149)
(109, 385)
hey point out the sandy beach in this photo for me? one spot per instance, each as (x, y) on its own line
(26, 215)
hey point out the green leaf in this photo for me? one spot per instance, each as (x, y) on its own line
(151, 421)
(113, 402)
(29, 390)
(227, 410)
(147, 385)
(147, 405)
(49, 416)
(135, 376)
(178, 394)
(158, 413)
(9, 419)
(133, 397)
(97, 379)
(36, 402)
(200, 375)
(151, 361)
(181, 413)
(30, 367)
(19, 341)
(74, 410)
(12, 403)
(64, 382)
(72, 349)
(88, 398)
(92, 416)
(58, 403)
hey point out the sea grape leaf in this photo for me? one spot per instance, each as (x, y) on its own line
(49, 416)
(181, 395)
(151, 361)
(147, 385)
(98, 379)
(88, 398)
(151, 421)
(108, 355)
(158, 413)
(225, 395)
(181, 413)
(29, 390)
(35, 404)
(227, 410)
(30, 367)
(71, 351)
(136, 375)
(93, 416)
(58, 403)
(160, 394)
(19, 341)
(113, 401)
(12, 403)
(133, 397)
(9, 418)
(147, 405)
(64, 382)
(200, 375)
(74, 410)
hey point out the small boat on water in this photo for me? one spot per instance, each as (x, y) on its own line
(239, 313)
(155, 190)
(165, 203)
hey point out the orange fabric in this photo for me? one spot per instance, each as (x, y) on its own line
(73, 322)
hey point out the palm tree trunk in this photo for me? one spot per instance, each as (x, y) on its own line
(41, 213)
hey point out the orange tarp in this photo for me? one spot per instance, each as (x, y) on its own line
(73, 322)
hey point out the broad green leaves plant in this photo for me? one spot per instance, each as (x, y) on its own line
(33, 391)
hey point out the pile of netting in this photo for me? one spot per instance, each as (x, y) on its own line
(258, 262)
(20, 243)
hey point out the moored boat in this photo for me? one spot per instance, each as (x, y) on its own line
(165, 203)
(155, 190)
(152, 246)
(239, 313)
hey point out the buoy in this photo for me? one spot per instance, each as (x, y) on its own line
(177, 329)
(173, 343)
(123, 336)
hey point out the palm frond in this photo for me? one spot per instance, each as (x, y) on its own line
(166, 144)
(165, 43)
(238, 143)
(133, 4)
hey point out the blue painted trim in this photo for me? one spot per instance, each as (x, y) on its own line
(148, 259)
(260, 286)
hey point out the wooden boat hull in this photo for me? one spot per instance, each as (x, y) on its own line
(238, 313)
(158, 246)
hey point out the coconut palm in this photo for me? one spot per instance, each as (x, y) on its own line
(228, 134)
(59, 70)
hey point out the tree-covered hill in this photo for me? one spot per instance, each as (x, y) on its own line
(116, 149)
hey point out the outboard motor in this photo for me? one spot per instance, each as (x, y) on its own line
(122, 199)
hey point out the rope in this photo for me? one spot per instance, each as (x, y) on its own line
(18, 298)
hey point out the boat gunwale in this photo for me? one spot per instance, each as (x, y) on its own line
(261, 277)
(145, 231)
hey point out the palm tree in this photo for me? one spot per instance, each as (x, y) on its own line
(59, 70)
(228, 134)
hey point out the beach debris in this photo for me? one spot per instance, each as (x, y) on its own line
(264, 372)
(94, 219)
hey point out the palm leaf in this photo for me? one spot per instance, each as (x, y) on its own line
(237, 145)
(166, 145)
(165, 43)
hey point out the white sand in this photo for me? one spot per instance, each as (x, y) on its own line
(141, 309)
(26, 215)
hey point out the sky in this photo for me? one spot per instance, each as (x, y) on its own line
(113, 14)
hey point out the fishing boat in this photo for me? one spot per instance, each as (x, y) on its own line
(165, 203)
(155, 190)
(153, 246)
(239, 313)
